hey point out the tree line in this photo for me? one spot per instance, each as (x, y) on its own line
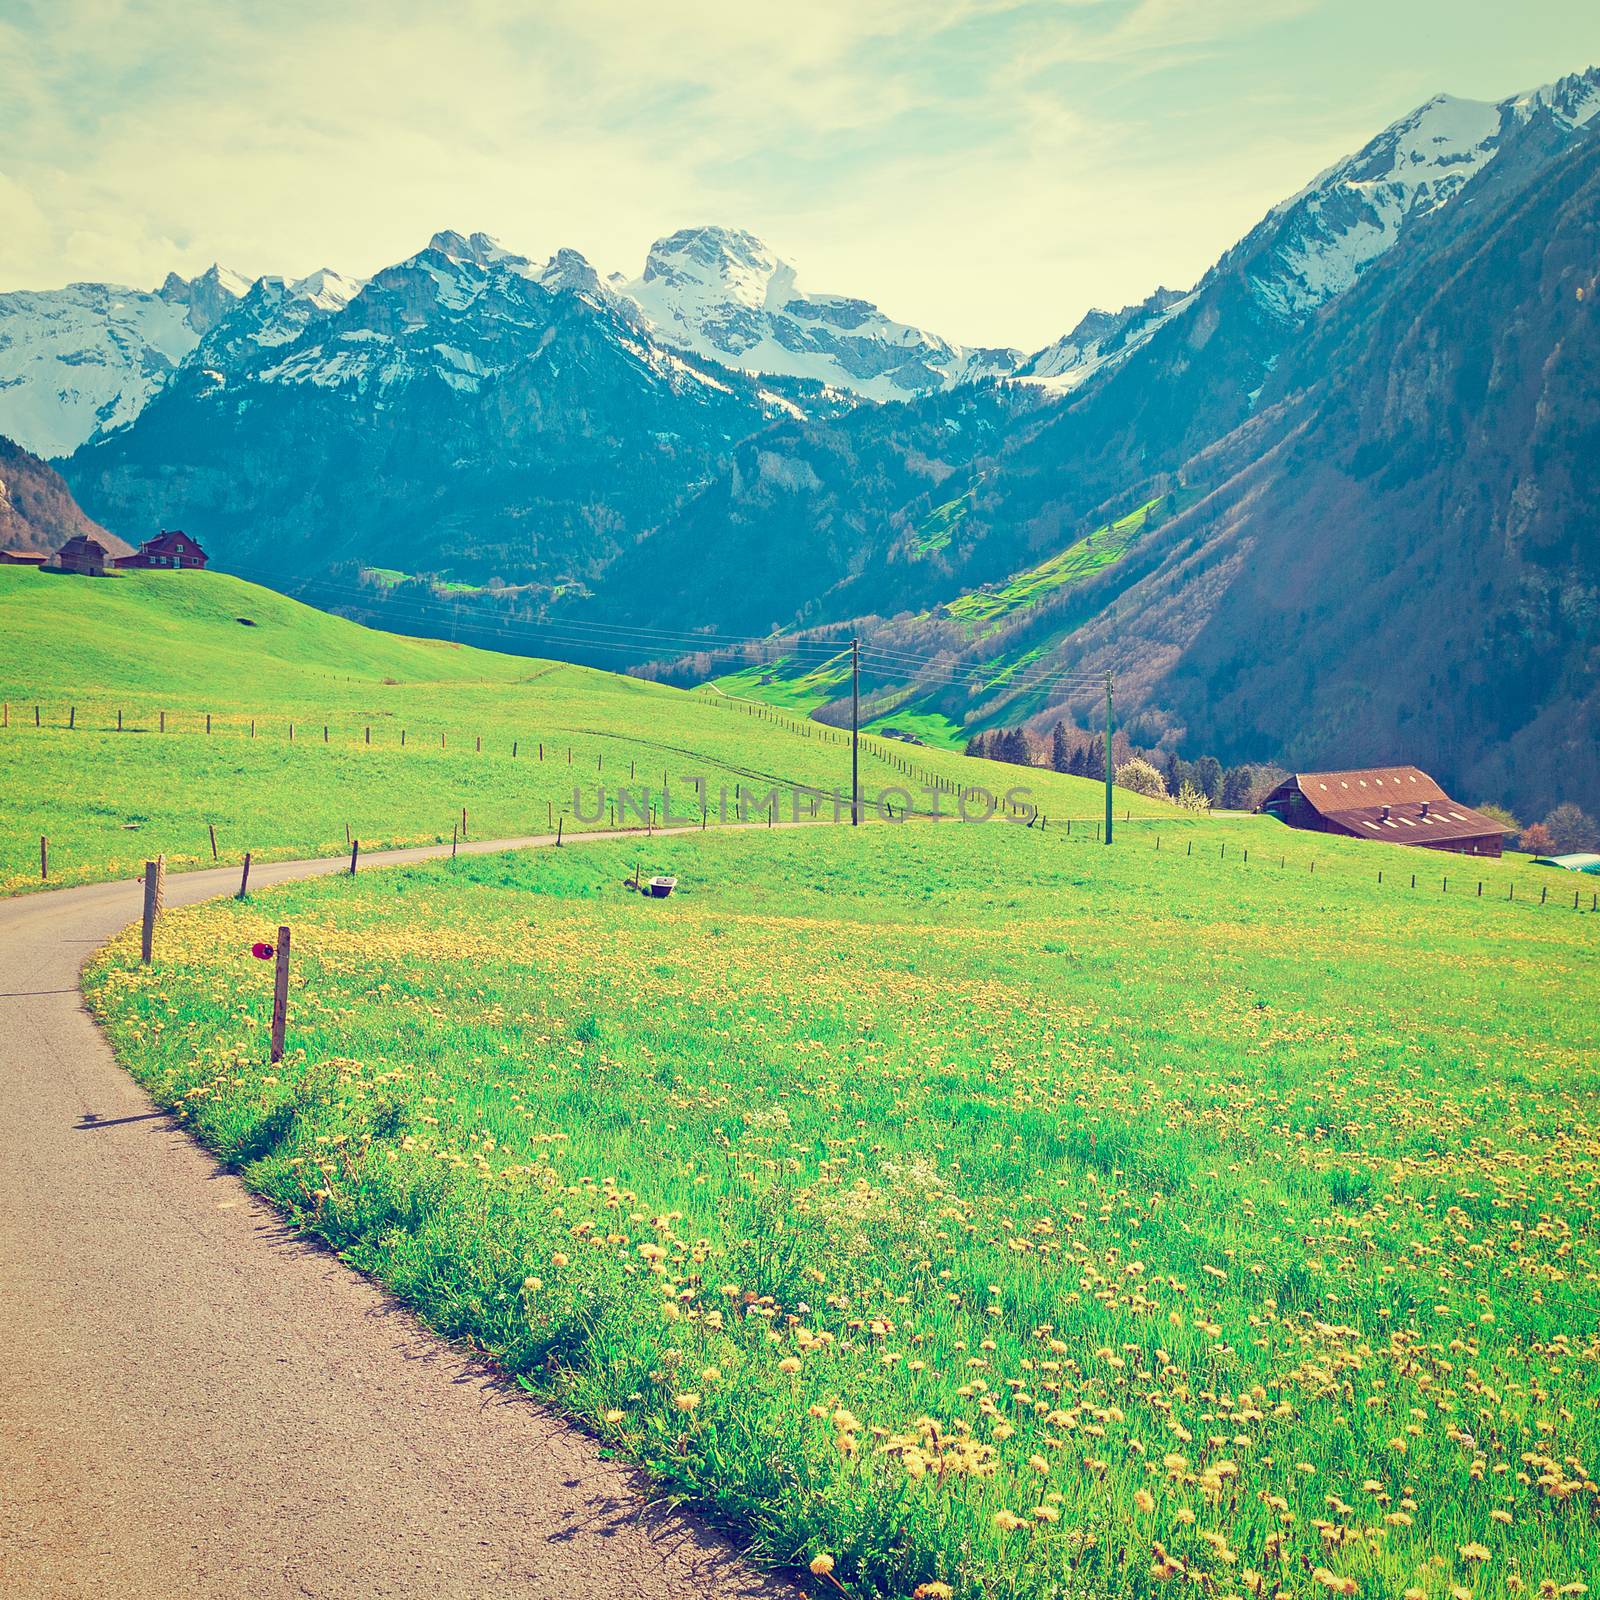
(1199, 784)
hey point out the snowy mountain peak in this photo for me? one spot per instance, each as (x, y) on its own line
(209, 296)
(327, 289)
(480, 248)
(88, 356)
(1314, 245)
(727, 294)
(1574, 99)
(571, 270)
(1101, 338)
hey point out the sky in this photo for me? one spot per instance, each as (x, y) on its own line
(988, 169)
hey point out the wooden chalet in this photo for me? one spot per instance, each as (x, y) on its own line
(174, 550)
(1402, 805)
(82, 555)
(22, 558)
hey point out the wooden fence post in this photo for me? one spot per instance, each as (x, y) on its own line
(213, 827)
(355, 850)
(152, 896)
(453, 833)
(163, 722)
(463, 822)
(208, 722)
(72, 716)
(561, 820)
(280, 995)
(244, 877)
(44, 859)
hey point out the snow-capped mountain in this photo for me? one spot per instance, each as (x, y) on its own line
(1101, 337)
(463, 311)
(88, 356)
(728, 295)
(465, 409)
(1313, 246)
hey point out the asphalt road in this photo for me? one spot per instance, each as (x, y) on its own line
(196, 1402)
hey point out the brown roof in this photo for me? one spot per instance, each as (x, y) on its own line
(169, 539)
(1419, 811)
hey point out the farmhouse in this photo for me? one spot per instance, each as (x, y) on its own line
(21, 558)
(173, 550)
(82, 555)
(1400, 804)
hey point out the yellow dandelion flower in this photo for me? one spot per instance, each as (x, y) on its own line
(686, 1401)
(822, 1566)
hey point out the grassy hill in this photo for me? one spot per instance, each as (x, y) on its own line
(978, 1209)
(151, 647)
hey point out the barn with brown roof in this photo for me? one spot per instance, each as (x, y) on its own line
(1401, 805)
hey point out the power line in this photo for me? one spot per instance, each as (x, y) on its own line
(606, 635)
(640, 643)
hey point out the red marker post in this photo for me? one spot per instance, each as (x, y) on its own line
(280, 987)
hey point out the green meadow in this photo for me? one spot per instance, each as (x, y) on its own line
(322, 731)
(967, 1210)
(951, 1210)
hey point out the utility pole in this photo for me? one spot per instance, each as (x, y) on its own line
(855, 733)
(1110, 766)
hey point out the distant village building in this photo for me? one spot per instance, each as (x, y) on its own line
(82, 555)
(1400, 804)
(172, 550)
(21, 558)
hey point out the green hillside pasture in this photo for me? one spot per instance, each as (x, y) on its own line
(938, 528)
(795, 686)
(1089, 555)
(972, 1206)
(148, 645)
